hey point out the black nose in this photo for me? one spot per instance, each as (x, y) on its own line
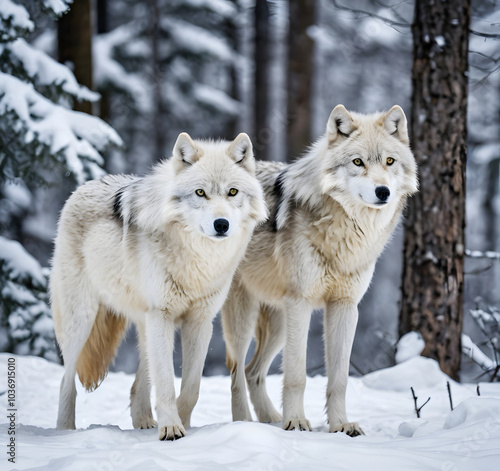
(382, 193)
(221, 226)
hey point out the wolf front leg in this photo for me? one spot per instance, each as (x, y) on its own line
(341, 318)
(160, 330)
(298, 317)
(196, 332)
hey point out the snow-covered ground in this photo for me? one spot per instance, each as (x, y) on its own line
(466, 439)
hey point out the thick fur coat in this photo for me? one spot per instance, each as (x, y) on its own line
(332, 212)
(159, 251)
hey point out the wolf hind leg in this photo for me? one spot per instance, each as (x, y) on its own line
(140, 393)
(239, 316)
(72, 332)
(270, 338)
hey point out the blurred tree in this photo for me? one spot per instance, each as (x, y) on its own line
(300, 72)
(433, 273)
(260, 138)
(41, 139)
(74, 33)
(169, 67)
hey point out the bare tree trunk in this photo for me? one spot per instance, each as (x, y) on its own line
(156, 77)
(300, 61)
(432, 300)
(261, 59)
(74, 34)
(102, 27)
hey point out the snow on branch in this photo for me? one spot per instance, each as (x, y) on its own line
(39, 68)
(224, 8)
(24, 307)
(195, 40)
(471, 350)
(14, 21)
(478, 254)
(58, 7)
(216, 99)
(77, 136)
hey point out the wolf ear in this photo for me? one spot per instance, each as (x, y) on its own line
(340, 123)
(241, 151)
(395, 124)
(185, 151)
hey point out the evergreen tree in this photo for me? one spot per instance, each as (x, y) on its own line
(169, 67)
(41, 138)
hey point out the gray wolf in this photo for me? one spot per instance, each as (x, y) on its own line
(332, 212)
(159, 251)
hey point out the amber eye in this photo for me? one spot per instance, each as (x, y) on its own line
(357, 162)
(200, 192)
(233, 192)
(390, 160)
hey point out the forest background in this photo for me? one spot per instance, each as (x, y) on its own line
(213, 68)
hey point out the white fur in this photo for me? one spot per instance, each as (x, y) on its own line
(319, 249)
(145, 248)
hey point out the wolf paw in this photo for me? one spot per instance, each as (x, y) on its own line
(297, 424)
(350, 428)
(172, 432)
(144, 422)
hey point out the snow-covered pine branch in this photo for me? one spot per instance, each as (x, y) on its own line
(51, 131)
(25, 314)
(38, 130)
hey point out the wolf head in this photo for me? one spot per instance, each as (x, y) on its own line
(207, 187)
(368, 161)
(215, 185)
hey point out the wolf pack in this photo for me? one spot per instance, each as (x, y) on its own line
(211, 229)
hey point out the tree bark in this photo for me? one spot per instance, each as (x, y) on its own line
(74, 33)
(433, 272)
(300, 70)
(261, 79)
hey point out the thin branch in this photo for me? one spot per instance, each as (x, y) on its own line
(418, 409)
(387, 21)
(485, 35)
(486, 56)
(449, 394)
(479, 271)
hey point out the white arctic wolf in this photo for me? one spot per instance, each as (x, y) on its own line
(332, 211)
(159, 251)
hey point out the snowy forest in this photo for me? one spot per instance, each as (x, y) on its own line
(89, 88)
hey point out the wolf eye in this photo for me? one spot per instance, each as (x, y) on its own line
(233, 192)
(358, 162)
(390, 161)
(200, 192)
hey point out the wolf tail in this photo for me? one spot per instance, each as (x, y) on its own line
(100, 348)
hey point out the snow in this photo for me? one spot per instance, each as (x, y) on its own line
(75, 134)
(47, 71)
(468, 438)
(216, 99)
(108, 70)
(410, 345)
(223, 8)
(20, 263)
(475, 353)
(196, 40)
(58, 6)
(16, 15)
